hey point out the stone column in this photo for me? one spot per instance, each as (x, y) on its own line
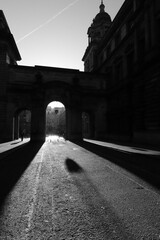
(153, 27)
(16, 127)
(3, 69)
(38, 112)
(136, 46)
(3, 96)
(2, 119)
(100, 120)
(38, 123)
(74, 123)
(147, 25)
(7, 130)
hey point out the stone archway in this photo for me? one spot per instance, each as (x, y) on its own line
(72, 102)
(55, 120)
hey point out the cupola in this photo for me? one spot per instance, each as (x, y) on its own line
(100, 25)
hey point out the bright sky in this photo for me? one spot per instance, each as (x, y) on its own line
(55, 104)
(53, 33)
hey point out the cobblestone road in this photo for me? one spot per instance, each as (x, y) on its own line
(67, 192)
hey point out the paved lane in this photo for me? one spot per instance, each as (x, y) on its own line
(63, 191)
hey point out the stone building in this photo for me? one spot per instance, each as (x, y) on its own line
(127, 51)
(24, 88)
(117, 97)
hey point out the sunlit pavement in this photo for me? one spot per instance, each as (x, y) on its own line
(63, 191)
(12, 144)
(122, 148)
(54, 139)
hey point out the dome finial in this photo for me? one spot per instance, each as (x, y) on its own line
(102, 7)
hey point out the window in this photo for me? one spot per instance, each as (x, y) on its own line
(141, 41)
(157, 5)
(123, 31)
(134, 5)
(118, 39)
(108, 49)
(87, 66)
(105, 54)
(101, 59)
(130, 25)
(130, 61)
(112, 44)
(7, 59)
(137, 4)
(109, 75)
(119, 69)
(1, 25)
(158, 30)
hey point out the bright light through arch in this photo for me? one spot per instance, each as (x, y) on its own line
(55, 122)
(56, 104)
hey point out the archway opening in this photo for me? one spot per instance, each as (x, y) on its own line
(22, 124)
(55, 121)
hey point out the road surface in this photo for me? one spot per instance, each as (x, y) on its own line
(60, 190)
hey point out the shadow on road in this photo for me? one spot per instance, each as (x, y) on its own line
(14, 164)
(145, 167)
(72, 166)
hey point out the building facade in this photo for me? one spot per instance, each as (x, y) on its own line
(24, 88)
(117, 97)
(128, 53)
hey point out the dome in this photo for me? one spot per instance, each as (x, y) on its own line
(100, 25)
(102, 15)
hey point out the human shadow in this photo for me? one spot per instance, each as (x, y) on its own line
(147, 167)
(98, 207)
(14, 164)
(72, 166)
(104, 217)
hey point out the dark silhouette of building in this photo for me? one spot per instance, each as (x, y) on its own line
(117, 97)
(127, 51)
(33, 88)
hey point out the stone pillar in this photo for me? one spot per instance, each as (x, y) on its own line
(3, 69)
(147, 25)
(3, 98)
(153, 27)
(16, 127)
(6, 121)
(136, 45)
(7, 125)
(100, 120)
(73, 123)
(38, 112)
(38, 123)
(2, 119)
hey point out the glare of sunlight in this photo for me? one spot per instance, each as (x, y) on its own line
(55, 105)
(54, 138)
